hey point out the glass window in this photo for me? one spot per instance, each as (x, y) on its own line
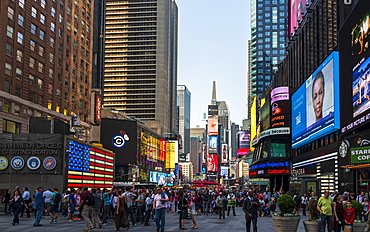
(60, 18)
(51, 58)
(51, 42)
(41, 51)
(9, 31)
(32, 62)
(21, 3)
(59, 92)
(34, 12)
(42, 35)
(32, 45)
(7, 87)
(42, 18)
(19, 55)
(20, 38)
(18, 92)
(33, 29)
(51, 73)
(31, 79)
(8, 69)
(52, 26)
(9, 50)
(20, 20)
(11, 127)
(41, 67)
(10, 13)
(52, 11)
(43, 3)
(39, 83)
(18, 73)
(6, 106)
(60, 33)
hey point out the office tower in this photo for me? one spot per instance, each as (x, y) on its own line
(269, 20)
(184, 96)
(45, 61)
(140, 77)
(234, 141)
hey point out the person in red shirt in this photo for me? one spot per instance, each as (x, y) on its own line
(349, 214)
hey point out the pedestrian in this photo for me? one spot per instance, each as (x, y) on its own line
(120, 218)
(72, 205)
(130, 208)
(297, 200)
(193, 211)
(304, 202)
(325, 207)
(338, 213)
(176, 200)
(183, 210)
(140, 207)
(107, 205)
(47, 201)
(64, 204)
(231, 202)
(27, 200)
(6, 201)
(95, 220)
(38, 206)
(148, 209)
(250, 208)
(85, 207)
(349, 217)
(159, 207)
(17, 205)
(365, 203)
(360, 197)
(54, 205)
(221, 203)
(206, 202)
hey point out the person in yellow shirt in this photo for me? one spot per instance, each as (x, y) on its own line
(325, 207)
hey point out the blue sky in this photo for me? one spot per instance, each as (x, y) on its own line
(213, 38)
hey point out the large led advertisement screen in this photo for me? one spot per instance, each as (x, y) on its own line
(297, 8)
(212, 126)
(355, 67)
(212, 163)
(315, 105)
(89, 166)
(212, 144)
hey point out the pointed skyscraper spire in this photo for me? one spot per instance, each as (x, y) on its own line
(214, 101)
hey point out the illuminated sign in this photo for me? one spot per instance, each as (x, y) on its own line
(271, 132)
(270, 165)
(88, 166)
(212, 110)
(98, 108)
(204, 149)
(212, 144)
(270, 168)
(360, 155)
(225, 172)
(212, 163)
(224, 153)
(212, 126)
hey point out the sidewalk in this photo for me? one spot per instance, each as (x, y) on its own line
(209, 223)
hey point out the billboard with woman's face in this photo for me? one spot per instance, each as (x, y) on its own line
(315, 105)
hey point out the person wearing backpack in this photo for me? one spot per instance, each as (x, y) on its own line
(87, 201)
(54, 206)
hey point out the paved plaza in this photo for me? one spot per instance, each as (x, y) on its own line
(209, 223)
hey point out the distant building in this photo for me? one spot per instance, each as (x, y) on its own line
(187, 171)
(184, 97)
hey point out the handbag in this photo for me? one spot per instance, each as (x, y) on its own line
(348, 228)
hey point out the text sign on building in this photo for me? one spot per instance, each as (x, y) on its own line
(360, 155)
(212, 110)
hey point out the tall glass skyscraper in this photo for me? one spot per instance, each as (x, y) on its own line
(184, 97)
(269, 24)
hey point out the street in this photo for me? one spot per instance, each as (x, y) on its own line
(209, 223)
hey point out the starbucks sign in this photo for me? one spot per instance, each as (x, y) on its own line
(360, 155)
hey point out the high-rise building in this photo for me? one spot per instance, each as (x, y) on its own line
(184, 97)
(140, 75)
(269, 21)
(45, 61)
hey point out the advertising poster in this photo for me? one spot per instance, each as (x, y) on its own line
(224, 153)
(225, 172)
(212, 126)
(212, 163)
(204, 149)
(280, 107)
(354, 38)
(170, 155)
(315, 105)
(212, 144)
(244, 139)
(296, 10)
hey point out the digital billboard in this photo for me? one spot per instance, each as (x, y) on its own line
(297, 8)
(204, 153)
(89, 166)
(224, 153)
(355, 67)
(212, 126)
(280, 108)
(212, 163)
(212, 110)
(120, 136)
(225, 172)
(244, 139)
(315, 105)
(161, 178)
(212, 144)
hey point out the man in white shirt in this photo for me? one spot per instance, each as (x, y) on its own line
(47, 201)
(27, 199)
(159, 205)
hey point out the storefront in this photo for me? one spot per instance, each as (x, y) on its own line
(315, 174)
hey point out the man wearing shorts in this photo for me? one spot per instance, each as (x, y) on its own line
(54, 207)
(71, 205)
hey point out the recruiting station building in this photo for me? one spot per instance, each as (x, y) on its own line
(53, 160)
(271, 165)
(354, 147)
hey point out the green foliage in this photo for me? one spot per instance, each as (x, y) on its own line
(357, 206)
(313, 213)
(286, 204)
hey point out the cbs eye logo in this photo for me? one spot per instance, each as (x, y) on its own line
(120, 140)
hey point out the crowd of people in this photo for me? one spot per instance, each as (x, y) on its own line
(129, 207)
